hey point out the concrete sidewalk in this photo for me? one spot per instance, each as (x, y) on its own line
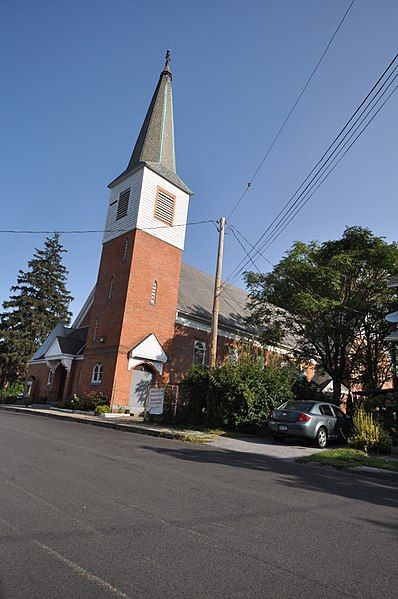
(116, 423)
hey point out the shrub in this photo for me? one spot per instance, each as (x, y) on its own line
(90, 401)
(241, 394)
(368, 434)
(193, 394)
(15, 390)
(102, 409)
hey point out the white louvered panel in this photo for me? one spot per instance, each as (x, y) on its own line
(123, 204)
(175, 235)
(115, 227)
(164, 208)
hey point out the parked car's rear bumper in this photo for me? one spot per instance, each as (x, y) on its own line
(294, 429)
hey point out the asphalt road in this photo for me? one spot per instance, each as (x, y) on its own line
(88, 512)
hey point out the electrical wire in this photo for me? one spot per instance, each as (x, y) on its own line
(83, 231)
(275, 139)
(283, 214)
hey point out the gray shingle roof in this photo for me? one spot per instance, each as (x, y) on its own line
(196, 301)
(155, 143)
(74, 342)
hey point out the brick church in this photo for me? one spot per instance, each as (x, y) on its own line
(147, 319)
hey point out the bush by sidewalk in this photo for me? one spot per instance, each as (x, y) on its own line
(241, 394)
(368, 434)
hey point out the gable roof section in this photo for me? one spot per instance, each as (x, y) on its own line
(58, 330)
(149, 349)
(73, 343)
(63, 340)
(195, 300)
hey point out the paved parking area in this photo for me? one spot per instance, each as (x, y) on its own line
(288, 450)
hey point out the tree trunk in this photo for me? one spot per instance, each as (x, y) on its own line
(337, 391)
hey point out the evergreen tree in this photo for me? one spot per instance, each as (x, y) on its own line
(37, 303)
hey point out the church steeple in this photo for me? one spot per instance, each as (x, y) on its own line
(154, 147)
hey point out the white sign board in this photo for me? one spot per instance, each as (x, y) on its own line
(155, 401)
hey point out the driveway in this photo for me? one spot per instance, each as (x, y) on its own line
(288, 450)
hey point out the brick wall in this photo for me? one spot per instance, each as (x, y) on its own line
(180, 350)
(128, 317)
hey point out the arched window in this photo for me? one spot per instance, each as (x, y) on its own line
(96, 376)
(110, 291)
(154, 292)
(199, 352)
(95, 329)
(126, 248)
(50, 377)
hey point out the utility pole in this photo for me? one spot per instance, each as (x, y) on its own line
(217, 292)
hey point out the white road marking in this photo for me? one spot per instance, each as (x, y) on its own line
(82, 572)
(73, 566)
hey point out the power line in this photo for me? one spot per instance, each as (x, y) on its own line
(83, 231)
(313, 179)
(311, 291)
(281, 214)
(275, 139)
(283, 224)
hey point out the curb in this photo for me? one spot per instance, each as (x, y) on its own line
(374, 472)
(118, 426)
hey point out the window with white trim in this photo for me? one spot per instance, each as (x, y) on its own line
(199, 352)
(95, 331)
(96, 376)
(164, 207)
(110, 291)
(123, 204)
(154, 292)
(50, 377)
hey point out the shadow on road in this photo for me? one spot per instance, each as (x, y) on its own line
(383, 492)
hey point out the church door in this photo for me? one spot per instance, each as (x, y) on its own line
(140, 381)
(62, 380)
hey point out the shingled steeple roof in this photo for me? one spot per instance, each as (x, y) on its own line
(154, 147)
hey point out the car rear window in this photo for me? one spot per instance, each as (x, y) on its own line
(297, 405)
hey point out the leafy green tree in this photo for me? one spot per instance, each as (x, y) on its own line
(243, 393)
(329, 294)
(37, 303)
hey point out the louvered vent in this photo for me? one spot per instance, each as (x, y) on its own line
(164, 207)
(123, 204)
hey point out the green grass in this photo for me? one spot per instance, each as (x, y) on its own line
(350, 458)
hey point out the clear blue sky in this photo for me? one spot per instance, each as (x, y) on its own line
(77, 77)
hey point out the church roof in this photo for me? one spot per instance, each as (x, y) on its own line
(74, 342)
(71, 341)
(195, 300)
(154, 147)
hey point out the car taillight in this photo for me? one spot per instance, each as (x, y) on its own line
(304, 417)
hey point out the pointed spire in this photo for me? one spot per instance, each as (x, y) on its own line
(155, 144)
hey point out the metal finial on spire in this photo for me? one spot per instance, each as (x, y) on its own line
(167, 63)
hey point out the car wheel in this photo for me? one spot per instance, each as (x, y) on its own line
(321, 439)
(278, 437)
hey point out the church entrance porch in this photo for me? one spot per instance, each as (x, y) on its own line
(141, 379)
